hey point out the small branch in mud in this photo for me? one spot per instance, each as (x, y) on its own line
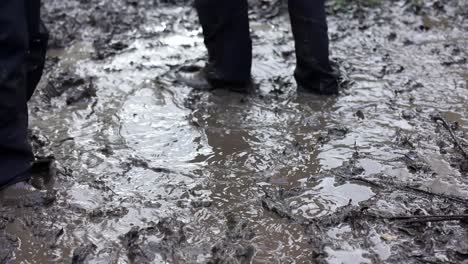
(143, 164)
(397, 186)
(429, 218)
(436, 118)
(60, 142)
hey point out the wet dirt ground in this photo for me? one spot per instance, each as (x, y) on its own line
(150, 171)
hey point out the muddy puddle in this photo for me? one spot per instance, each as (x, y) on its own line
(150, 171)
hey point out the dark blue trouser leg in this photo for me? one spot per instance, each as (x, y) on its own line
(309, 25)
(15, 152)
(226, 30)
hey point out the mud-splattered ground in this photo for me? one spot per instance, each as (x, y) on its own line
(149, 171)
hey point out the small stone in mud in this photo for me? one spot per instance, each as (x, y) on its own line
(464, 166)
(277, 208)
(113, 212)
(287, 53)
(442, 146)
(338, 131)
(245, 254)
(408, 42)
(455, 126)
(323, 138)
(416, 163)
(427, 23)
(106, 150)
(408, 114)
(181, 204)
(38, 140)
(455, 61)
(392, 36)
(229, 249)
(81, 254)
(456, 51)
(103, 49)
(200, 204)
(238, 228)
(228, 253)
(392, 69)
(350, 168)
(62, 82)
(131, 241)
(83, 92)
(438, 5)
(152, 204)
(118, 46)
(360, 114)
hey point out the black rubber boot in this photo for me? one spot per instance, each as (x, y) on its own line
(34, 192)
(227, 38)
(201, 79)
(313, 70)
(25, 194)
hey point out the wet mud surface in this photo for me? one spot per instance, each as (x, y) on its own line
(150, 171)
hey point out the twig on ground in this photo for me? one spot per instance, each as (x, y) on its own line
(452, 134)
(387, 184)
(429, 218)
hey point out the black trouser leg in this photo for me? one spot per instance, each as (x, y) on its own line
(38, 37)
(309, 25)
(226, 31)
(15, 152)
(36, 57)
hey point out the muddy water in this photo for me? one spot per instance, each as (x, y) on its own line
(151, 171)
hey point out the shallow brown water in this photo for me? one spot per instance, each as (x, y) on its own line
(147, 152)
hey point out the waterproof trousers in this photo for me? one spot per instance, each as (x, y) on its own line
(23, 43)
(226, 33)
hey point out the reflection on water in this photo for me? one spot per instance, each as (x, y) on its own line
(351, 256)
(326, 197)
(157, 129)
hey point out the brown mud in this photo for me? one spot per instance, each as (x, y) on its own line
(150, 171)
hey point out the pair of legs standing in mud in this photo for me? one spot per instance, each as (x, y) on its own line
(226, 32)
(23, 43)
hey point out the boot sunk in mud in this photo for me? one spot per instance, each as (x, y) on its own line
(204, 79)
(25, 194)
(28, 191)
(226, 34)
